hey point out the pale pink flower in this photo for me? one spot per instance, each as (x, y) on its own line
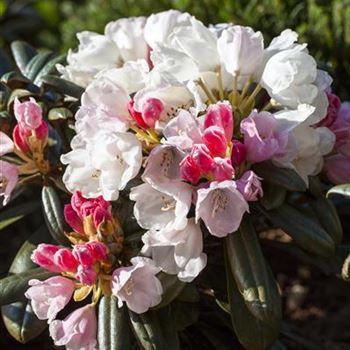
(8, 180)
(77, 331)
(28, 114)
(49, 297)
(83, 255)
(262, 138)
(250, 186)
(221, 207)
(137, 285)
(6, 144)
(337, 168)
(222, 169)
(86, 275)
(220, 115)
(43, 256)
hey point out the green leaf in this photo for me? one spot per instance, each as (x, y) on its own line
(59, 113)
(306, 232)
(273, 197)
(328, 217)
(49, 68)
(283, 177)
(53, 213)
(63, 86)
(37, 63)
(22, 53)
(184, 314)
(113, 325)
(172, 287)
(11, 215)
(344, 190)
(251, 332)
(13, 287)
(251, 273)
(155, 329)
(14, 79)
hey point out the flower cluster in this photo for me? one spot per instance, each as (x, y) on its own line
(174, 117)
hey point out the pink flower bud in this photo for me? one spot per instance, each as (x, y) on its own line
(151, 111)
(222, 169)
(220, 115)
(73, 219)
(77, 201)
(86, 275)
(43, 256)
(334, 104)
(250, 186)
(98, 250)
(28, 114)
(8, 180)
(189, 170)
(202, 158)
(239, 153)
(215, 139)
(42, 131)
(83, 255)
(65, 260)
(100, 215)
(137, 116)
(20, 139)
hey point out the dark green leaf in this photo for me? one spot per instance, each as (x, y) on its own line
(53, 213)
(155, 329)
(274, 195)
(306, 232)
(251, 273)
(36, 64)
(49, 68)
(184, 314)
(113, 325)
(63, 86)
(22, 53)
(283, 177)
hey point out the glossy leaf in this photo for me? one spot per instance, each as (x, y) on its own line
(49, 68)
(273, 197)
(63, 86)
(22, 53)
(36, 64)
(344, 190)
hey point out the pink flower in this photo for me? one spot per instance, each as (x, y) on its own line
(8, 180)
(137, 285)
(261, 138)
(202, 158)
(20, 138)
(137, 116)
(6, 144)
(238, 154)
(72, 219)
(215, 139)
(86, 275)
(337, 168)
(43, 256)
(220, 115)
(65, 260)
(334, 104)
(83, 255)
(49, 297)
(77, 331)
(221, 207)
(152, 109)
(28, 114)
(250, 186)
(97, 249)
(222, 169)
(189, 170)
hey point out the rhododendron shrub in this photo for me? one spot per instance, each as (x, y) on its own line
(177, 146)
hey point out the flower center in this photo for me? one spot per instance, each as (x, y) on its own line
(220, 201)
(165, 163)
(168, 204)
(96, 173)
(129, 286)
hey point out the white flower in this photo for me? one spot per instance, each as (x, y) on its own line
(128, 35)
(163, 167)
(221, 207)
(102, 165)
(103, 105)
(159, 26)
(177, 252)
(95, 53)
(157, 210)
(241, 50)
(137, 285)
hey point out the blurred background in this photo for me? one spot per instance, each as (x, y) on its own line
(319, 305)
(323, 24)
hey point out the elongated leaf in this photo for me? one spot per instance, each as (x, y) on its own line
(155, 329)
(283, 177)
(13, 287)
(328, 217)
(344, 190)
(172, 287)
(251, 273)
(113, 325)
(62, 86)
(22, 53)
(49, 68)
(37, 63)
(307, 233)
(11, 215)
(53, 213)
(274, 196)
(251, 332)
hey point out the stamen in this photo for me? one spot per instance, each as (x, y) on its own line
(207, 91)
(96, 173)
(167, 159)
(129, 287)
(168, 204)
(220, 83)
(220, 201)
